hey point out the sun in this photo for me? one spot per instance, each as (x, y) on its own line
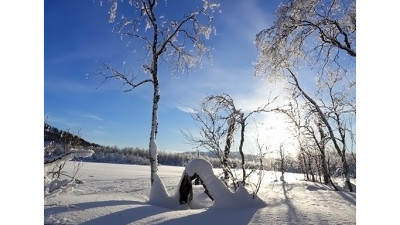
(272, 131)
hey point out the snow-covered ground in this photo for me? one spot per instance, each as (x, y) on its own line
(115, 194)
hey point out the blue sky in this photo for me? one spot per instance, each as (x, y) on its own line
(77, 36)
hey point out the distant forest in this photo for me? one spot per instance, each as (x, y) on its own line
(62, 141)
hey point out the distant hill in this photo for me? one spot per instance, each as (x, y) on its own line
(53, 134)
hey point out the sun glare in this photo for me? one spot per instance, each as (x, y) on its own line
(272, 132)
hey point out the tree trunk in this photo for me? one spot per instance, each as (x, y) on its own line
(325, 170)
(229, 139)
(305, 166)
(303, 170)
(347, 173)
(242, 124)
(321, 147)
(310, 169)
(153, 133)
(318, 168)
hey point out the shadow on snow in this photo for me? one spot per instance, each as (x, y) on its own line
(126, 216)
(214, 216)
(292, 214)
(87, 205)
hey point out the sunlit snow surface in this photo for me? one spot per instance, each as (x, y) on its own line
(119, 194)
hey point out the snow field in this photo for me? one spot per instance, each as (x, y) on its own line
(119, 194)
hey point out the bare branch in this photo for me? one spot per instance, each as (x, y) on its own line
(115, 74)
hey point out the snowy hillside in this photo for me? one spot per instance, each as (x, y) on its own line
(119, 194)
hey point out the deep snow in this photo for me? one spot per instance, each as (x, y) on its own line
(222, 196)
(119, 194)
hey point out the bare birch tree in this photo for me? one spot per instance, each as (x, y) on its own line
(181, 42)
(341, 109)
(262, 152)
(215, 131)
(240, 118)
(223, 109)
(314, 130)
(324, 119)
(310, 133)
(317, 35)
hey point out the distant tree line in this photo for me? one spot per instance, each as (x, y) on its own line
(60, 140)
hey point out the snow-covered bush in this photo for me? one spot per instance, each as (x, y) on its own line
(55, 179)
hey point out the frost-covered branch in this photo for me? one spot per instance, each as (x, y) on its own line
(73, 153)
(306, 33)
(53, 169)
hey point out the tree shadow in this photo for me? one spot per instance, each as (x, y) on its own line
(135, 214)
(317, 187)
(344, 193)
(214, 216)
(127, 216)
(88, 205)
(348, 196)
(292, 214)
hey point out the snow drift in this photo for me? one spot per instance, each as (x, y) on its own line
(221, 195)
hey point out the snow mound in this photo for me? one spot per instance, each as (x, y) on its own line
(223, 197)
(159, 195)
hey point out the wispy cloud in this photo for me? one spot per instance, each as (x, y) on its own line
(185, 109)
(93, 116)
(78, 113)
